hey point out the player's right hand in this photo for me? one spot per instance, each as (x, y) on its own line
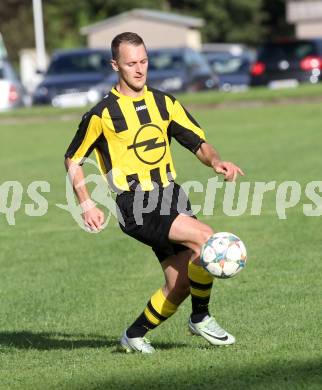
(228, 169)
(93, 219)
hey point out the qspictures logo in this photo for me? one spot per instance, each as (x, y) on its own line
(236, 199)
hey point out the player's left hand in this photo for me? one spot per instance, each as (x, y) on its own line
(228, 169)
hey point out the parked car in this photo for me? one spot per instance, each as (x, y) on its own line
(179, 69)
(11, 90)
(83, 76)
(175, 70)
(231, 63)
(288, 63)
(74, 78)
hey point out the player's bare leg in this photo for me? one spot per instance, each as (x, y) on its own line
(175, 268)
(190, 232)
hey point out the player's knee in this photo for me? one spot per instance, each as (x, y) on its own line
(204, 234)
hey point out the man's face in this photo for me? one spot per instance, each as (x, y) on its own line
(132, 65)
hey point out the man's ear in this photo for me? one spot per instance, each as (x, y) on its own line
(114, 66)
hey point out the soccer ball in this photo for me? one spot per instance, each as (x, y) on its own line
(223, 255)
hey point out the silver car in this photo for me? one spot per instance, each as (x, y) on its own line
(11, 90)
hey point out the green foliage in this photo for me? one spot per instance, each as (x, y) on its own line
(227, 21)
(62, 21)
(274, 23)
(16, 24)
(247, 21)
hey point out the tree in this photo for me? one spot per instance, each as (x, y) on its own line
(226, 20)
(16, 21)
(248, 21)
(274, 23)
(62, 21)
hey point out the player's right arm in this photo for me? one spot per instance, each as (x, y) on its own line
(93, 216)
(81, 146)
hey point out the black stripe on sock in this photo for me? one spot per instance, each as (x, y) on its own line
(200, 286)
(196, 298)
(150, 326)
(155, 313)
(140, 326)
(198, 317)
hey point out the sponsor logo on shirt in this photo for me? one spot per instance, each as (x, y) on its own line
(140, 108)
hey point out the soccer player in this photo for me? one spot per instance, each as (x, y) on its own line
(130, 130)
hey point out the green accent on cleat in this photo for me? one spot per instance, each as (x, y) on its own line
(136, 344)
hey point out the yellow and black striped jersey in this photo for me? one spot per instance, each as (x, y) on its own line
(131, 138)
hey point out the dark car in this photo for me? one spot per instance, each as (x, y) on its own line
(288, 63)
(179, 70)
(74, 77)
(232, 70)
(231, 62)
(176, 70)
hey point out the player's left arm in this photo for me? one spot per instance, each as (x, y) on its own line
(189, 134)
(208, 155)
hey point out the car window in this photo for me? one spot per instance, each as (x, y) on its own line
(79, 63)
(196, 60)
(229, 65)
(163, 60)
(289, 50)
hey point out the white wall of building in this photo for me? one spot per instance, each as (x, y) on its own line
(155, 34)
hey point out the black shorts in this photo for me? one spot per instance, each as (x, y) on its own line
(148, 215)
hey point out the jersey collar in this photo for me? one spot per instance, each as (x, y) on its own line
(115, 92)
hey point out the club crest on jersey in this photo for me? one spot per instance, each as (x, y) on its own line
(149, 144)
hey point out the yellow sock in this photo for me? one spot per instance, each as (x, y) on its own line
(200, 289)
(159, 308)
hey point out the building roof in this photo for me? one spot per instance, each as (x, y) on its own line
(149, 14)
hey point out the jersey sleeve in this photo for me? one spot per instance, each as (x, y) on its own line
(85, 140)
(185, 129)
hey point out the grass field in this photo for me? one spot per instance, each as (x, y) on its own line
(66, 296)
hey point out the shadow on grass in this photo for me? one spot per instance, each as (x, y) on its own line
(57, 340)
(164, 346)
(158, 346)
(54, 340)
(270, 375)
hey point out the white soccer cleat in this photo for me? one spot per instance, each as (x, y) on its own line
(136, 344)
(209, 329)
